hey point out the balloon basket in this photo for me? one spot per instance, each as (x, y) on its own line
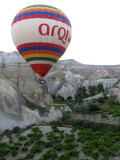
(41, 81)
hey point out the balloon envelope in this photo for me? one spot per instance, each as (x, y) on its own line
(41, 34)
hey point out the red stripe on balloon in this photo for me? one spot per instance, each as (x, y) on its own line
(41, 69)
(41, 16)
(40, 52)
(41, 44)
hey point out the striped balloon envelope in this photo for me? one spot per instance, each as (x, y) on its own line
(41, 34)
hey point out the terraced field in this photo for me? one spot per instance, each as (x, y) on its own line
(53, 143)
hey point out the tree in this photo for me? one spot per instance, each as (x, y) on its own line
(100, 88)
(81, 93)
(69, 98)
(92, 90)
(60, 98)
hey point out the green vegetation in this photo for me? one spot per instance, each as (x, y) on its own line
(108, 106)
(80, 94)
(92, 91)
(103, 105)
(95, 140)
(58, 145)
(61, 100)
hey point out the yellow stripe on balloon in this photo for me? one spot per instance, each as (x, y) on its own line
(40, 8)
(41, 55)
(41, 62)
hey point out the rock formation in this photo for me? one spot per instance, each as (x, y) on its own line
(63, 79)
(24, 101)
(16, 111)
(63, 83)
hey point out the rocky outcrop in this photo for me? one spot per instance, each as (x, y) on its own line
(108, 83)
(16, 111)
(11, 103)
(114, 92)
(14, 68)
(63, 79)
(94, 97)
(13, 109)
(10, 100)
(111, 92)
(63, 83)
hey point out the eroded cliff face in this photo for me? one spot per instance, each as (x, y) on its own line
(14, 68)
(63, 83)
(22, 110)
(11, 103)
(18, 83)
(10, 100)
(63, 79)
(59, 82)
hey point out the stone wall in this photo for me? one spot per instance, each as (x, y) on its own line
(98, 118)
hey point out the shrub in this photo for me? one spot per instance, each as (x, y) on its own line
(96, 126)
(3, 158)
(22, 138)
(7, 131)
(92, 90)
(81, 94)
(101, 100)
(60, 98)
(70, 121)
(55, 129)
(16, 129)
(14, 153)
(50, 154)
(93, 107)
(35, 129)
(59, 123)
(69, 146)
(105, 95)
(58, 147)
(113, 101)
(18, 143)
(69, 140)
(24, 149)
(104, 115)
(36, 149)
(100, 88)
(48, 144)
(29, 155)
(29, 142)
(53, 97)
(95, 154)
(81, 108)
(73, 153)
(66, 115)
(69, 98)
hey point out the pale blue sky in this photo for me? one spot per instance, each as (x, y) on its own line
(95, 28)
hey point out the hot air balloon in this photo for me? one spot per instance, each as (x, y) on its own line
(41, 34)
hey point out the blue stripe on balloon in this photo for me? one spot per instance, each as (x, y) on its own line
(42, 13)
(41, 48)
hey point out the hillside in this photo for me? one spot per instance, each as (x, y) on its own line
(85, 104)
(63, 79)
(100, 71)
